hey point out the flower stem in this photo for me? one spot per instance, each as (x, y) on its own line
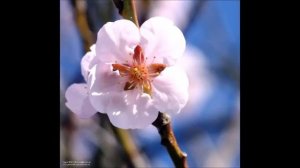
(163, 125)
(127, 10)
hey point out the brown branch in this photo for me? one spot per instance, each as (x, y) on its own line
(82, 24)
(127, 10)
(163, 125)
(132, 154)
(129, 147)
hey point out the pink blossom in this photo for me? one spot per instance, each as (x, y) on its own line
(132, 74)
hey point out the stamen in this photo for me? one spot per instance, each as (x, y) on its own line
(139, 74)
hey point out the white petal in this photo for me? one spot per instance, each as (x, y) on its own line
(86, 60)
(160, 38)
(125, 109)
(102, 82)
(116, 41)
(131, 110)
(170, 90)
(78, 101)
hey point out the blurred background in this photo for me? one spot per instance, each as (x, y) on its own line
(208, 128)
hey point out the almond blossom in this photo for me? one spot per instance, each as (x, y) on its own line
(132, 73)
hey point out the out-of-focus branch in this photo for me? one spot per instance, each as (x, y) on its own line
(127, 10)
(164, 127)
(129, 147)
(81, 20)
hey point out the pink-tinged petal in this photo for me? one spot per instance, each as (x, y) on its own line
(86, 60)
(125, 109)
(131, 110)
(78, 100)
(161, 39)
(116, 41)
(170, 90)
(103, 82)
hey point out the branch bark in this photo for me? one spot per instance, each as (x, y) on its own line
(164, 127)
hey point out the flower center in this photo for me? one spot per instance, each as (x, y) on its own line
(138, 73)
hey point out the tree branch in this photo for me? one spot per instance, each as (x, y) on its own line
(132, 154)
(131, 150)
(127, 10)
(163, 125)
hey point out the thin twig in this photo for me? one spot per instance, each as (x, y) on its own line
(81, 21)
(164, 127)
(132, 154)
(129, 147)
(127, 10)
